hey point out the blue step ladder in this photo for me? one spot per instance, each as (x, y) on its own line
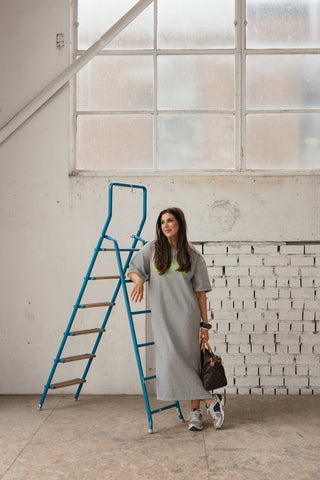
(122, 283)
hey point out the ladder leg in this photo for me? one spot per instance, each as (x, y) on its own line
(177, 404)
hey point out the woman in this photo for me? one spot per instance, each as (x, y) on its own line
(178, 282)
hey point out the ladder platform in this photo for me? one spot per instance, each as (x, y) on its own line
(99, 304)
(120, 249)
(109, 277)
(74, 381)
(84, 356)
(84, 332)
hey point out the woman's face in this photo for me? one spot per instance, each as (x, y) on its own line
(170, 227)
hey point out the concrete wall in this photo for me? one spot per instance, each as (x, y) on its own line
(50, 221)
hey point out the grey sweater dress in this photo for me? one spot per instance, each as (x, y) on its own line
(175, 320)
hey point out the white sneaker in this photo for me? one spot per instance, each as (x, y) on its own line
(195, 422)
(215, 410)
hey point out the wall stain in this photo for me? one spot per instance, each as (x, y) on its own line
(224, 215)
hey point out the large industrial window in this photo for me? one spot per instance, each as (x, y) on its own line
(201, 85)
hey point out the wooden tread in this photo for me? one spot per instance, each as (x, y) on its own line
(84, 332)
(84, 356)
(74, 381)
(109, 277)
(100, 304)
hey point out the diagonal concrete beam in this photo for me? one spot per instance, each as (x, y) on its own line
(70, 71)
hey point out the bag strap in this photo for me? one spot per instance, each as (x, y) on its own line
(204, 344)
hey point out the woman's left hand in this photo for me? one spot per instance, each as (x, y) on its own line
(204, 333)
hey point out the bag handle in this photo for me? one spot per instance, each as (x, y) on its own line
(204, 344)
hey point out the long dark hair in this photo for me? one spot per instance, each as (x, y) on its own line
(162, 253)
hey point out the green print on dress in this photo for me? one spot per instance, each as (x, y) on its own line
(173, 268)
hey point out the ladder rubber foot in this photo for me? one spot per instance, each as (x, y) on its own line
(150, 430)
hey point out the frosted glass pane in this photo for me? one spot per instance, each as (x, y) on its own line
(195, 141)
(95, 17)
(200, 24)
(114, 141)
(187, 82)
(287, 141)
(116, 83)
(283, 81)
(283, 23)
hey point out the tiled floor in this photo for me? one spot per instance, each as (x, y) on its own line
(102, 437)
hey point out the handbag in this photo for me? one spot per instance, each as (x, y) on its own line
(212, 371)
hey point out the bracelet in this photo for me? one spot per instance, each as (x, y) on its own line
(206, 326)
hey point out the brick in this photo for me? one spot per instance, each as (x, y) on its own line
(280, 304)
(227, 304)
(287, 271)
(245, 281)
(316, 349)
(236, 271)
(235, 327)
(302, 260)
(295, 282)
(281, 348)
(260, 327)
(312, 249)
(224, 316)
(250, 316)
(284, 326)
(272, 326)
(240, 371)
(292, 249)
(248, 381)
(281, 391)
(214, 272)
(247, 327)
(293, 390)
(225, 260)
(217, 293)
(297, 304)
(256, 391)
(251, 260)
(276, 261)
(287, 338)
(310, 338)
(231, 390)
(218, 338)
(284, 293)
(241, 292)
(265, 249)
(265, 370)
(259, 282)
(266, 293)
(245, 348)
(252, 370)
(312, 304)
(297, 382)
(219, 282)
(261, 304)
(282, 359)
(214, 248)
(302, 293)
(306, 359)
(215, 305)
(243, 391)
(314, 370)
(306, 349)
(302, 369)
(310, 271)
(261, 271)
(254, 359)
(295, 349)
(239, 248)
(234, 360)
(283, 282)
(290, 370)
(256, 348)
(307, 282)
(237, 338)
(270, 282)
(233, 348)
(290, 315)
(277, 370)
(269, 348)
(306, 391)
(272, 381)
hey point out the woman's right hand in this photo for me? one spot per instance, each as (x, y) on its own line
(137, 290)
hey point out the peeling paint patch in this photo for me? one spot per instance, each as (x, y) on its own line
(223, 215)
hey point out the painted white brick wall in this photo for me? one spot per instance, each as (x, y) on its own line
(265, 313)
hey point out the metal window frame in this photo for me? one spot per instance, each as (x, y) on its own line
(240, 112)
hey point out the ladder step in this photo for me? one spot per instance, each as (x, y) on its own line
(76, 357)
(84, 332)
(140, 312)
(105, 278)
(120, 249)
(163, 408)
(100, 304)
(145, 344)
(150, 378)
(74, 381)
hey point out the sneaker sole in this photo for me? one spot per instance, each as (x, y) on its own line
(195, 429)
